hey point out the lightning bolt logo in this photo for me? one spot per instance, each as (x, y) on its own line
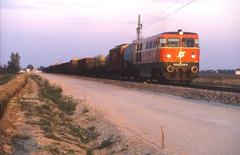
(181, 54)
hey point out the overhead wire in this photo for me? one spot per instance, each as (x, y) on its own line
(170, 13)
(165, 10)
(169, 7)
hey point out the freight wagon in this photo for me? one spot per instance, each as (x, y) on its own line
(115, 62)
(99, 68)
(85, 66)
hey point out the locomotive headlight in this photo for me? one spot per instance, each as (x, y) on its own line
(193, 56)
(180, 32)
(169, 56)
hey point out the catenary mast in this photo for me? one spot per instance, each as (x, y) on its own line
(139, 28)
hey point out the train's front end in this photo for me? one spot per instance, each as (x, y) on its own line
(179, 55)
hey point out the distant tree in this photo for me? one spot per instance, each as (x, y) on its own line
(5, 67)
(14, 63)
(30, 67)
(1, 70)
(41, 68)
(226, 71)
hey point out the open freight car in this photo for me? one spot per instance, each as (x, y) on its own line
(85, 66)
(99, 68)
(115, 61)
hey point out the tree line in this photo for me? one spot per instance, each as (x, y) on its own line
(13, 65)
(217, 72)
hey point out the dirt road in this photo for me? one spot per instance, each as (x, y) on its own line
(195, 127)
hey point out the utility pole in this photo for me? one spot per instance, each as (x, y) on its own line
(139, 28)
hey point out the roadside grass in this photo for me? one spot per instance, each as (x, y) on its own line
(54, 93)
(85, 109)
(106, 143)
(4, 78)
(22, 137)
(52, 114)
(52, 149)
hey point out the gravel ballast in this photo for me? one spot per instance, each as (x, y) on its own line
(189, 93)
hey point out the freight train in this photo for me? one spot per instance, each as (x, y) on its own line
(171, 56)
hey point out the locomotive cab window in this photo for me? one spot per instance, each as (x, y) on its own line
(163, 42)
(173, 42)
(196, 43)
(150, 44)
(154, 44)
(147, 45)
(188, 42)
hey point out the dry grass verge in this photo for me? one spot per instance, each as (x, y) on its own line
(8, 90)
(53, 116)
(4, 78)
(54, 93)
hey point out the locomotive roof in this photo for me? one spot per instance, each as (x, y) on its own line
(178, 32)
(158, 35)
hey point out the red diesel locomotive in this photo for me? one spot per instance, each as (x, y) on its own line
(172, 56)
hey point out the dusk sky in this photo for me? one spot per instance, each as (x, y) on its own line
(49, 31)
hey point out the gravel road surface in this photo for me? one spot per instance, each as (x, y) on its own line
(191, 126)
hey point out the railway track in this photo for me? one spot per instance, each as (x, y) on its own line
(213, 87)
(200, 86)
(197, 86)
(190, 85)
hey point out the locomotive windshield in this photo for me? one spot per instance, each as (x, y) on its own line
(177, 42)
(188, 42)
(173, 42)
